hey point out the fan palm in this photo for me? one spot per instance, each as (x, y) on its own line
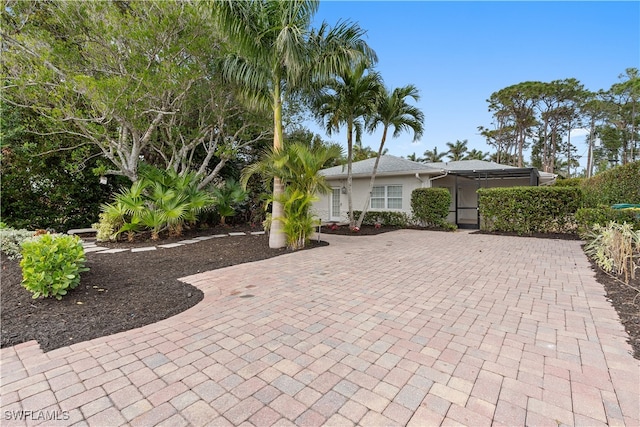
(393, 111)
(275, 51)
(348, 100)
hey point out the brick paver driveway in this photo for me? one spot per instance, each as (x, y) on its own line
(405, 328)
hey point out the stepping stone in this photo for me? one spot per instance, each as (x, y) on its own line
(204, 237)
(220, 235)
(256, 233)
(148, 248)
(188, 242)
(112, 251)
(94, 249)
(170, 245)
(237, 234)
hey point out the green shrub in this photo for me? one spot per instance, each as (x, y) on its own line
(106, 228)
(430, 206)
(569, 182)
(587, 218)
(526, 210)
(51, 264)
(391, 219)
(10, 240)
(618, 185)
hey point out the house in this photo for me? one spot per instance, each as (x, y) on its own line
(397, 178)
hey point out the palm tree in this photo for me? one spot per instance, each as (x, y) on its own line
(432, 156)
(347, 100)
(297, 165)
(476, 155)
(274, 50)
(457, 150)
(393, 111)
(414, 158)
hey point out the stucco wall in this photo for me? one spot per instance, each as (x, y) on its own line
(360, 190)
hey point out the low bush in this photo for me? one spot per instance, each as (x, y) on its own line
(615, 248)
(569, 182)
(391, 219)
(51, 264)
(587, 218)
(527, 210)
(430, 206)
(10, 240)
(618, 185)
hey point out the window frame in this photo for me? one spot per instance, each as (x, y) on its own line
(386, 198)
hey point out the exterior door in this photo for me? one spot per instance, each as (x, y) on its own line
(334, 205)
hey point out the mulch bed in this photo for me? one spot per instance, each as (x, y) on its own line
(127, 290)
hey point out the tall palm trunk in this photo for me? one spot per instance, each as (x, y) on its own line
(365, 208)
(277, 238)
(349, 172)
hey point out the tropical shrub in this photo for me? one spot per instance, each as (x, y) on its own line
(618, 185)
(228, 197)
(586, 218)
(528, 210)
(430, 206)
(11, 239)
(160, 200)
(569, 182)
(391, 219)
(615, 248)
(51, 264)
(297, 166)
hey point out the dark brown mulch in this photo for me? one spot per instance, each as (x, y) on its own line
(556, 236)
(121, 291)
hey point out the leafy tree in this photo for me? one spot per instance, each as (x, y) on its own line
(432, 156)
(363, 153)
(457, 150)
(393, 111)
(114, 74)
(348, 100)
(275, 52)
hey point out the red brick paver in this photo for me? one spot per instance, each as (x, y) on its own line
(404, 328)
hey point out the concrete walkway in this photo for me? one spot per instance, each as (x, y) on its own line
(405, 328)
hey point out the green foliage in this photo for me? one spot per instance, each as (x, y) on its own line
(160, 200)
(11, 239)
(297, 166)
(615, 248)
(430, 206)
(106, 227)
(569, 182)
(587, 218)
(528, 210)
(228, 197)
(391, 219)
(617, 185)
(51, 264)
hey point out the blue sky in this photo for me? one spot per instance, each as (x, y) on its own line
(458, 53)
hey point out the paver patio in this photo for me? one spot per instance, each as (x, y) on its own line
(405, 328)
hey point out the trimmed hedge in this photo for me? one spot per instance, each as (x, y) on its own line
(618, 185)
(392, 219)
(430, 206)
(602, 215)
(526, 210)
(569, 182)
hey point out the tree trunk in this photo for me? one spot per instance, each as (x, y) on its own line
(349, 172)
(277, 238)
(373, 179)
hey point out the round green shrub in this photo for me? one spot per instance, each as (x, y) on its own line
(430, 206)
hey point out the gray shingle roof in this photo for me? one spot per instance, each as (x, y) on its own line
(389, 165)
(467, 165)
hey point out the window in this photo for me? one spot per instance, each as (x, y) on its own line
(386, 197)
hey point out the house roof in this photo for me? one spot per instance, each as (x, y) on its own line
(397, 166)
(389, 165)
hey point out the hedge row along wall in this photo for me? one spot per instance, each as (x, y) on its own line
(526, 210)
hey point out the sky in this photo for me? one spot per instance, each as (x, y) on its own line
(458, 53)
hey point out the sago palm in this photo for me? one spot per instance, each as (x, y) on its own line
(274, 50)
(393, 111)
